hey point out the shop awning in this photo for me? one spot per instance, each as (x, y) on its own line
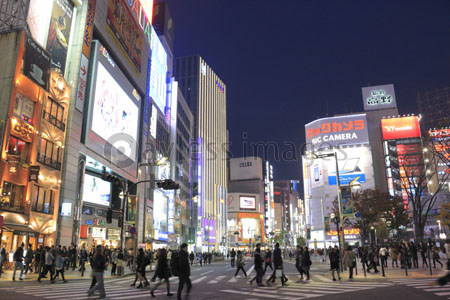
(20, 230)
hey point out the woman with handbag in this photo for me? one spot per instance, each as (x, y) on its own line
(240, 263)
(349, 261)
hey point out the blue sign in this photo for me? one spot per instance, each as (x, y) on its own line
(89, 222)
(347, 178)
(133, 230)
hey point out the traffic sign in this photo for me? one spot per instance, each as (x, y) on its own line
(133, 230)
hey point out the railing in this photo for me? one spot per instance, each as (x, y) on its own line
(41, 208)
(54, 121)
(48, 161)
(13, 208)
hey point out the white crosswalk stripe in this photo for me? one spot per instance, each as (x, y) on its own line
(424, 285)
(307, 290)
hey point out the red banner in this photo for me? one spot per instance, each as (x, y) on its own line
(400, 128)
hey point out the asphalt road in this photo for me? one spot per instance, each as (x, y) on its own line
(217, 281)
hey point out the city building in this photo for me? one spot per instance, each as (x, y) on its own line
(246, 203)
(286, 199)
(206, 94)
(107, 137)
(33, 142)
(434, 107)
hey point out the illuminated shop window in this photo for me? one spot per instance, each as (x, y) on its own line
(18, 148)
(43, 200)
(11, 197)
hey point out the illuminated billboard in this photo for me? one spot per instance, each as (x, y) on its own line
(337, 131)
(50, 23)
(247, 202)
(114, 112)
(158, 72)
(400, 128)
(379, 97)
(96, 190)
(352, 162)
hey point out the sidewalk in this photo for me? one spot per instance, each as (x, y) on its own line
(69, 274)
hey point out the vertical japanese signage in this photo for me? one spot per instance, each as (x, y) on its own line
(84, 65)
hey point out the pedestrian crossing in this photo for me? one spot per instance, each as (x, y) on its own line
(303, 290)
(424, 285)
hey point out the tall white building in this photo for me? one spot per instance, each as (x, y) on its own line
(206, 94)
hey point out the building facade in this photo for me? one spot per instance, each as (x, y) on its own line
(206, 94)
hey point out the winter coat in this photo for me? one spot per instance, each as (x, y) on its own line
(240, 260)
(162, 268)
(349, 259)
(258, 260)
(277, 260)
(59, 262)
(99, 263)
(306, 260)
(183, 264)
(334, 260)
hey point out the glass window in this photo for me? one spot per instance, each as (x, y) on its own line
(18, 147)
(11, 196)
(43, 200)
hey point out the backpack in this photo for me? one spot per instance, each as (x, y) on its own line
(174, 264)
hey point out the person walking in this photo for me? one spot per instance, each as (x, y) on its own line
(205, 258)
(306, 262)
(29, 260)
(48, 266)
(98, 268)
(140, 269)
(335, 262)
(349, 261)
(59, 265)
(258, 257)
(436, 256)
(393, 254)
(233, 257)
(120, 263)
(182, 270)
(298, 261)
(415, 258)
(18, 262)
(383, 255)
(423, 254)
(162, 272)
(278, 265)
(240, 263)
(37, 260)
(200, 258)
(209, 258)
(2, 258)
(83, 258)
(268, 260)
(114, 262)
(191, 257)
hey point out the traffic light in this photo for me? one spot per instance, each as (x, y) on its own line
(168, 184)
(109, 214)
(112, 178)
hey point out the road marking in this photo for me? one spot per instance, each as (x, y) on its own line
(230, 269)
(323, 278)
(206, 272)
(199, 279)
(216, 280)
(250, 270)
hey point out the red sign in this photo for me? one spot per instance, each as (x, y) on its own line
(400, 128)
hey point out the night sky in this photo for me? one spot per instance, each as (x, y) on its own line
(283, 60)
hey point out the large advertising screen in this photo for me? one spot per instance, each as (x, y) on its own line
(400, 128)
(96, 190)
(379, 97)
(247, 202)
(113, 111)
(50, 23)
(113, 127)
(352, 163)
(337, 131)
(158, 72)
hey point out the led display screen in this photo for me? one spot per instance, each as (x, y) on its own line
(247, 202)
(400, 128)
(158, 72)
(96, 190)
(113, 111)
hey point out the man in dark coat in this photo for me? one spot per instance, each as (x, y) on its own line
(184, 271)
